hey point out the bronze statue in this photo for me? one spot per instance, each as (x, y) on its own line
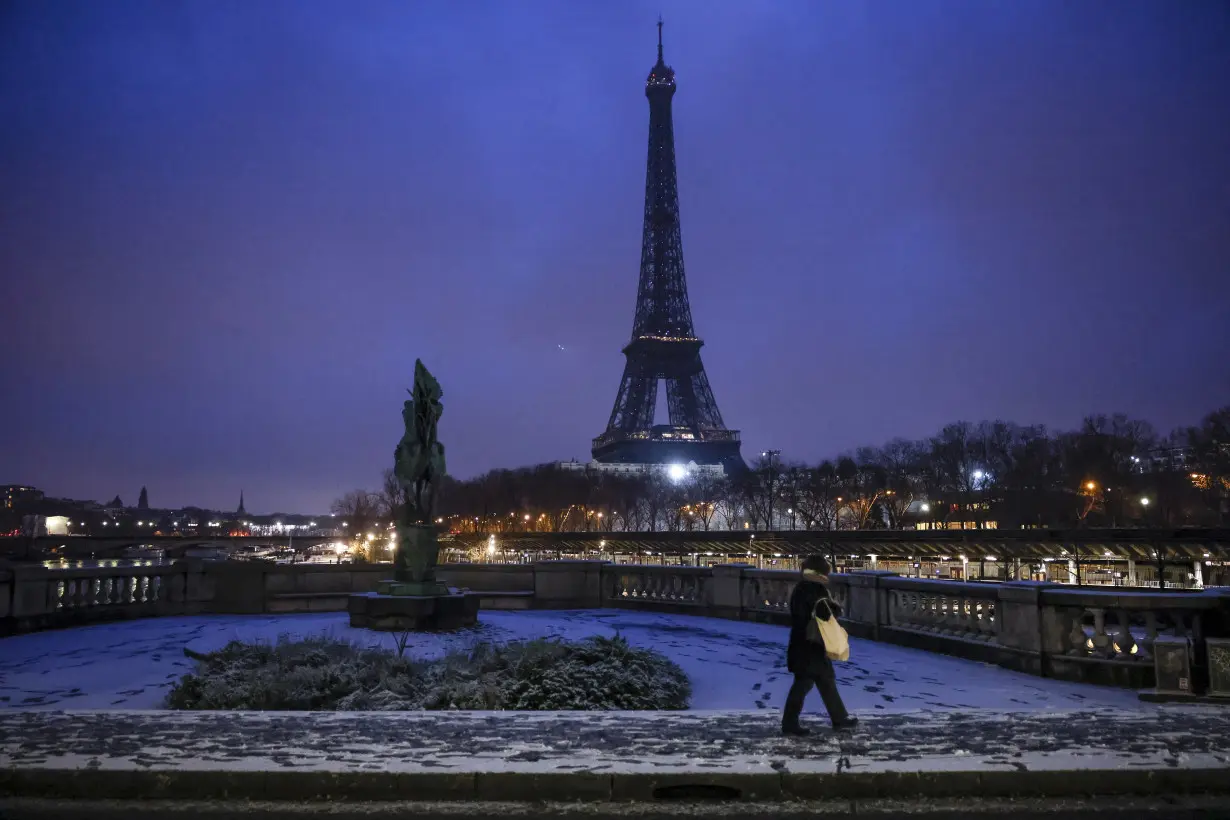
(418, 465)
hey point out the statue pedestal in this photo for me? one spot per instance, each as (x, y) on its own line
(398, 608)
(419, 588)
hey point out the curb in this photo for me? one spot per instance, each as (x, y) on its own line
(591, 787)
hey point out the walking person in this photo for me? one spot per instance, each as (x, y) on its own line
(806, 658)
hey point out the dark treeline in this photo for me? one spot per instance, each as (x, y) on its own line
(1113, 471)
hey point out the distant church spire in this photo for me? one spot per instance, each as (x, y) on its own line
(241, 510)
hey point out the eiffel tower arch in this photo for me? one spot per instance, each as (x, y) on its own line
(664, 347)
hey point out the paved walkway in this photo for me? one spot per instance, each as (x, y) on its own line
(514, 755)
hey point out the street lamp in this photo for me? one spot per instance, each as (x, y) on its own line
(770, 455)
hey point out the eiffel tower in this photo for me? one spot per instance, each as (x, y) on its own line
(664, 346)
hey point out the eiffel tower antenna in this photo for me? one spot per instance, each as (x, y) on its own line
(664, 346)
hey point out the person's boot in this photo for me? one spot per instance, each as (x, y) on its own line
(794, 729)
(845, 724)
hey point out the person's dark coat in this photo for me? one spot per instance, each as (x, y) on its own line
(804, 657)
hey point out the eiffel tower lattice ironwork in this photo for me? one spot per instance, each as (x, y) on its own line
(664, 345)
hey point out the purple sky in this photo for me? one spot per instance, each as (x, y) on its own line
(228, 228)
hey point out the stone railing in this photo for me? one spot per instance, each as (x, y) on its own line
(1116, 631)
(952, 609)
(1046, 629)
(681, 587)
(33, 597)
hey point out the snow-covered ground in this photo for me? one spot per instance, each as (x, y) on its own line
(732, 665)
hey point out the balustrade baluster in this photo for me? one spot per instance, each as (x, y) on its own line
(947, 622)
(1077, 639)
(1180, 623)
(1101, 641)
(986, 623)
(1124, 640)
(969, 609)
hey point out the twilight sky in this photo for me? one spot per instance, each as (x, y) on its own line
(227, 228)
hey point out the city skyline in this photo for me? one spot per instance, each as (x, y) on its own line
(895, 217)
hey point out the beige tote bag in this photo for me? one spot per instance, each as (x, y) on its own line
(830, 633)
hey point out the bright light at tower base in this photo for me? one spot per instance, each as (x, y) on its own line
(676, 472)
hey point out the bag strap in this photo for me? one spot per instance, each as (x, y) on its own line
(828, 602)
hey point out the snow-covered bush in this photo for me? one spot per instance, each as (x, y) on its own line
(323, 673)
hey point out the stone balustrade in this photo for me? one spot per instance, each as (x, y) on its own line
(682, 587)
(1054, 630)
(35, 597)
(952, 609)
(1115, 631)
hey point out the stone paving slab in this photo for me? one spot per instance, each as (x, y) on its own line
(1200, 807)
(600, 756)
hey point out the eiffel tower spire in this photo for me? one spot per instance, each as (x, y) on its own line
(664, 345)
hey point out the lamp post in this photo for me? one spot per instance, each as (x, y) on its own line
(770, 455)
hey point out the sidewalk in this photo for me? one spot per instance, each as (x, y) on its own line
(603, 756)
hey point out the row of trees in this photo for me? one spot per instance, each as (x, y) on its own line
(1113, 471)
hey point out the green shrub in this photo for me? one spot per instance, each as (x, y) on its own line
(328, 674)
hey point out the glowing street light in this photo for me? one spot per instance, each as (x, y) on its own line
(1144, 502)
(676, 472)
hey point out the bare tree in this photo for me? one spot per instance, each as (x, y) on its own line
(359, 510)
(705, 491)
(1210, 467)
(392, 495)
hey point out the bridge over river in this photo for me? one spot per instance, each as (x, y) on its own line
(1183, 545)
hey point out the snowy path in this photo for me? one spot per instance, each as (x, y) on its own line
(732, 665)
(745, 742)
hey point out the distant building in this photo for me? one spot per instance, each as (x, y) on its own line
(673, 471)
(15, 496)
(1165, 458)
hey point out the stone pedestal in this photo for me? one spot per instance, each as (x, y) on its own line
(399, 612)
(422, 589)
